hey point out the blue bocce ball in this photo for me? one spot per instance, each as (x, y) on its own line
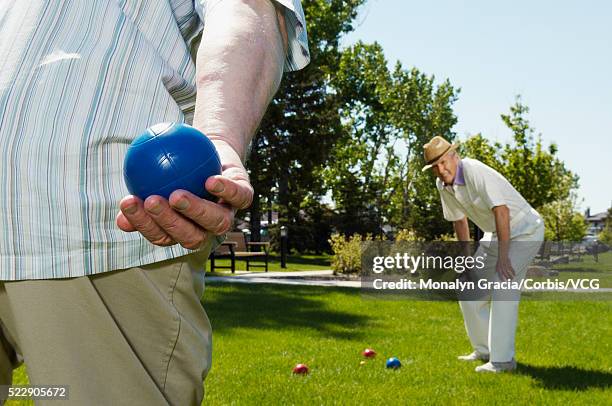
(167, 157)
(393, 363)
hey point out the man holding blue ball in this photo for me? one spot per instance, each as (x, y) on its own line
(107, 303)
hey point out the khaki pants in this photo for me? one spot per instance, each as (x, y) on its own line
(130, 337)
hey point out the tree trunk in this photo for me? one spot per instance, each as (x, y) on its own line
(283, 197)
(270, 212)
(255, 213)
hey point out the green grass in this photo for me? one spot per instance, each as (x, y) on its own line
(587, 263)
(294, 263)
(564, 350)
(586, 268)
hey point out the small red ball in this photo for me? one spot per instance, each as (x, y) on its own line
(300, 369)
(369, 353)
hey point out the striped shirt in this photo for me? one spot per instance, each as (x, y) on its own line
(79, 80)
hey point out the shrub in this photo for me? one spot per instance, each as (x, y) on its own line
(408, 235)
(347, 253)
(447, 237)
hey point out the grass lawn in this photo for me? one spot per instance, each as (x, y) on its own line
(564, 350)
(587, 263)
(586, 268)
(294, 263)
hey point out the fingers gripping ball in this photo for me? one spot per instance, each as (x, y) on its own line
(167, 157)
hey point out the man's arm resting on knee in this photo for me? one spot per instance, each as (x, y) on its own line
(462, 231)
(502, 227)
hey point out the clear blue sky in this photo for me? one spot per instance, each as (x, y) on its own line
(556, 54)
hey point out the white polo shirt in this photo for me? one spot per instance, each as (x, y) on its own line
(479, 188)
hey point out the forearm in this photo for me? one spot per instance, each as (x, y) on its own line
(239, 68)
(502, 226)
(462, 230)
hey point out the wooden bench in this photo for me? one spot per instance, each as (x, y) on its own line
(236, 247)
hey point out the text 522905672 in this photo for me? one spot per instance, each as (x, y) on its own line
(50, 392)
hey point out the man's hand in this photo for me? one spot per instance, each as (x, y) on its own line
(504, 268)
(239, 67)
(186, 219)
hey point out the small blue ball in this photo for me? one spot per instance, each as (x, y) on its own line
(167, 157)
(393, 363)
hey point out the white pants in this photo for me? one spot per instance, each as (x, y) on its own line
(491, 323)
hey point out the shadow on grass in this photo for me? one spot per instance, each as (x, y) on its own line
(272, 308)
(566, 377)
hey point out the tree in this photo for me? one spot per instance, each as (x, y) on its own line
(563, 222)
(348, 125)
(355, 181)
(534, 171)
(478, 147)
(302, 123)
(375, 174)
(421, 110)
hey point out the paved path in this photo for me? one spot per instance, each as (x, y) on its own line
(287, 278)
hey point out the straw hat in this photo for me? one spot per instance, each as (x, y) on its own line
(435, 150)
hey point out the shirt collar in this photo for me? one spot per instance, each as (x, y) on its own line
(459, 179)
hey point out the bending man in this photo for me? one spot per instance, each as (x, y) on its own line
(513, 235)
